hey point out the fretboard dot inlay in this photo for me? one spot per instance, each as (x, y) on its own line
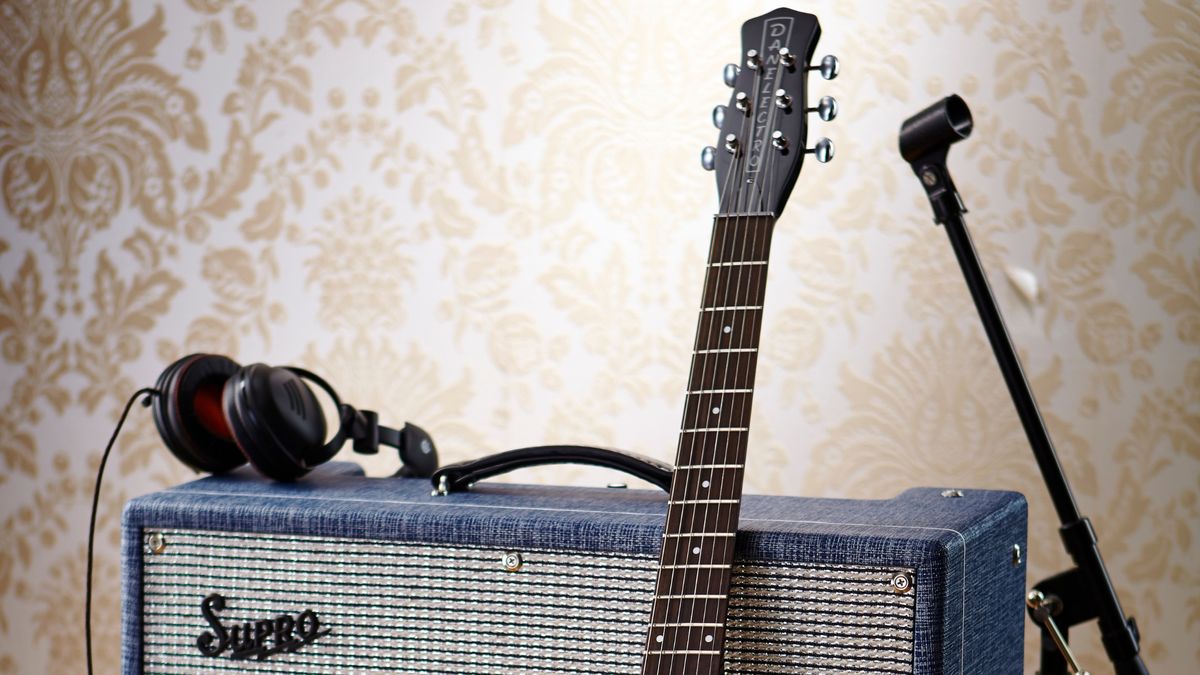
(658, 638)
(716, 410)
(696, 550)
(705, 484)
(727, 330)
(708, 638)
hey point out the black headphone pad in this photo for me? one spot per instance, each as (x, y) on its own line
(175, 414)
(276, 421)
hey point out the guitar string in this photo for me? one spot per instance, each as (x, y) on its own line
(720, 440)
(690, 421)
(755, 289)
(665, 604)
(736, 445)
(719, 280)
(749, 336)
(728, 447)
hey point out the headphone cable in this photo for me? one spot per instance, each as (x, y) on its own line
(148, 392)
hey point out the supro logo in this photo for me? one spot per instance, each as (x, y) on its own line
(257, 640)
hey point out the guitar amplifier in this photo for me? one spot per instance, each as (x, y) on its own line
(340, 573)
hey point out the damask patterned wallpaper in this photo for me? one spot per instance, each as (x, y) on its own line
(487, 217)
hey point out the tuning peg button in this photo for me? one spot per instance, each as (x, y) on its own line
(827, 108)
(753, 60)
(730, 74)
(830, 67)
(787, 58)
(718, 116)
(708, 158)
(822, 151)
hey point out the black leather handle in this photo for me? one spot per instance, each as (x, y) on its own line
(459, 476)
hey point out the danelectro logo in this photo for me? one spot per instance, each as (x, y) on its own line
(257, 640)
(776, 33)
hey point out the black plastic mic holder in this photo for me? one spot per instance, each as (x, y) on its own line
(1086, 591)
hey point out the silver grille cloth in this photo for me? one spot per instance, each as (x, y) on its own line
(429, 608)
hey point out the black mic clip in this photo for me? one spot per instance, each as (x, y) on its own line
(925, 139)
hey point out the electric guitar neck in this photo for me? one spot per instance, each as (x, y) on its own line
(760, 152)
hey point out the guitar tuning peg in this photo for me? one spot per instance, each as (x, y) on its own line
(730, 74)
(718, 116)
(787, 58)
(827, 108)
(708, 158)
(830, 67)
(782, 100)
(753, 60)
(823, 150)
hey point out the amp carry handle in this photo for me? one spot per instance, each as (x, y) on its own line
(459, 476)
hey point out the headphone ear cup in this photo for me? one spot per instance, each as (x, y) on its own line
(276, 421)
(188, 413)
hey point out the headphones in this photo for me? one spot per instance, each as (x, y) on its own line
(215, 415)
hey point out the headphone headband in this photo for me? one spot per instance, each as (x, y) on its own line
(346, 414)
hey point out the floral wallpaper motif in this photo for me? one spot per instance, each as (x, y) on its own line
(486, 216)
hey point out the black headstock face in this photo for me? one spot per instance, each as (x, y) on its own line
(764, 131)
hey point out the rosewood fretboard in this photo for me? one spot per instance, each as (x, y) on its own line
(687, 629)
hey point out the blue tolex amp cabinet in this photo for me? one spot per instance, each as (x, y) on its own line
(339, 573)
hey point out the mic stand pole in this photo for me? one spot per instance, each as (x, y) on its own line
(1086, 591)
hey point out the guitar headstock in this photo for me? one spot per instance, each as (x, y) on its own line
(764, 129)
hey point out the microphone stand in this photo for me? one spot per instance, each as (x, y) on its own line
(1086, 591)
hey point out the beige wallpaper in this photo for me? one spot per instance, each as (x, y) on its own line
(488, 217)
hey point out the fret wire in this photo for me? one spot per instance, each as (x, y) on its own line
(710, 466)
(744, 289)
(746, 350)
